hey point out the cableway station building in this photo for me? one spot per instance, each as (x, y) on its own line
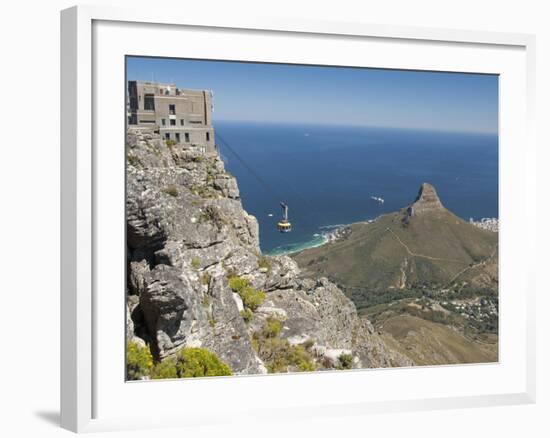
(177, 114)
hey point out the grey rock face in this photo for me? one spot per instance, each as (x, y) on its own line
(187, 233)
(426, 200)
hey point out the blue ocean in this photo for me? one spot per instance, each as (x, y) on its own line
(329, 175)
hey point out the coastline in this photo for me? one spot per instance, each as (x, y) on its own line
(338, 231)
(318, 239)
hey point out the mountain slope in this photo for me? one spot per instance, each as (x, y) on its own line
(422, 244)
(430, 343)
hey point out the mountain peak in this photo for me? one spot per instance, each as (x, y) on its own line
(426, 200)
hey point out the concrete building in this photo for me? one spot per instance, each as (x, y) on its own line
(177, 114)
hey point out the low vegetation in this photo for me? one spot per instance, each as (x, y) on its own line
(265, 263)
(278, 354)
(247, 315)
(272, 328)
(345, 361)
(133, 160)
(188, 362)
(204, 191)
(380, 256)
(171, 190)
(139, 361)
(252, 298)
(165, 370)
(195, 263)
(212, 214)
(200, 362)
(205, 278)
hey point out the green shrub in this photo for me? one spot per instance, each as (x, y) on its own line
(165, 370)
(171, 190)
(205, 191)
(275, 352)
(251, 297)
(247, 315)
(196, 263)
(133, 160)
(237, 284)
(307, 366)
(212, 214)
(139, 361)
(171, 142)
(255, 343)
(278, 355)
(272, 328)
(205, 278)
(345, 361)
(200, 362)
(264, 262)
(301, 358)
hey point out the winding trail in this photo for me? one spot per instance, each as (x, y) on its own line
(420, 255)
(480, 263)
(459, 273)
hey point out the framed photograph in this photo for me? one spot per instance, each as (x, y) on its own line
(284, 219)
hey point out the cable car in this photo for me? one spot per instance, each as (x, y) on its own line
(284, 225)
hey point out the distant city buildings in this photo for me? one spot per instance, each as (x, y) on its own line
(179, 115)
(486, 223)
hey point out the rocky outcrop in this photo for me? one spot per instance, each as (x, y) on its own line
(187, 234)
(426, 201)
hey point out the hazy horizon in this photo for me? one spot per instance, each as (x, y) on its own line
(340, 96)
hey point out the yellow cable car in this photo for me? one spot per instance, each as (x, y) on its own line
(284, 225)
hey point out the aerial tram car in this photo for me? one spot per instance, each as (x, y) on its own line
(284, 225)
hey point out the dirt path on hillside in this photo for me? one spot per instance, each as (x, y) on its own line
(476, 265)
(420, 255)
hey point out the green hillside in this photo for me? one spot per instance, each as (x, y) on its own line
(421, 245)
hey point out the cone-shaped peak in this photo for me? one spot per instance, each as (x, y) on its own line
(427, 200)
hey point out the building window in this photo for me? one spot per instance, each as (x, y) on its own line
(163, 122)
(178, 139)
(207, 136)
(149, 103)
(167, 135)
(172, 109)
(172, 122)
(182, 122)
(187, 137)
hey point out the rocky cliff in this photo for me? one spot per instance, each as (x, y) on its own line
(426, 201)
(188, 236)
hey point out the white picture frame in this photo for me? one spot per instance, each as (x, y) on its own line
(92, 395)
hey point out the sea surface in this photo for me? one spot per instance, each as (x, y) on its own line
(328, 175)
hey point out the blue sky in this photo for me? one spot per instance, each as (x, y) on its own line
(328, 95)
